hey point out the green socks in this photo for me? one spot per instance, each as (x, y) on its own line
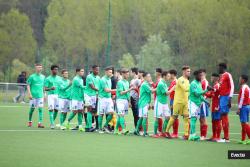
(31, 113)
(40, 115)
(100, 118)
(55, 114)
(51, 118)
(117, 123)
(89, 120)
(79, 118)
(139, 123)
(122, 122)
(109, 118)
(192, 125)
(165, 124)
(62, 118)
(156, 126)
(71, 116)
(144, 125)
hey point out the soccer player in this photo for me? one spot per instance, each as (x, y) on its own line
(134, 94)
(77, 96)
(158, 73)
(144, 102)
(90, 96)
(226, 94)
(195, 100)
(243, 109)
(64, 94)
(161, 108)
(216, 117)
(122, 100)
(51, 85)
(204, 111)
(180, 106)
(105, 103)
(171, 89)
(35, 90)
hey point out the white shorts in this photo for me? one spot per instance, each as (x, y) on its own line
(143, 112)
(105, 105)
(36, 103)
(161, 110)
(194, 110)
(64, 105)
(77, 105)
(122, 106)
(90, 100)
(53, 102)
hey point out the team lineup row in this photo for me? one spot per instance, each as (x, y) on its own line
(172, 97)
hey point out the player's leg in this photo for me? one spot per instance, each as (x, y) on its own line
(224, 109)
(31, 111)
(139, 122)
(56, 107)
(176, 111)
(109, 111)
(144, 120)
(203, 122)
(40, 112)
(194, 111)
(245, 130)
(157, 115)
(166, 114)
(134, 106)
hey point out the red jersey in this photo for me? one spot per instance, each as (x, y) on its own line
(204, 85)
(244, 96)
(172, 84)
(226, 85)
(215, 97)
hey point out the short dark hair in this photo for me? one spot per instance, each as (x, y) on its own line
(108, 68)
(215, 75)
(164, 73)
(145, 74)
(203, 70)
(196, 72)
(185, 67)
(173, 72)
(38, 64)
(244, 77)
(223, 65)
(94, 66)
(124, 70)
(135, 70)
(78, 69)
(64, 70)
(53, 67)
(159, 70)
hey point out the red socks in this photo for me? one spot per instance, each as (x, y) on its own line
(214, 129)
(203, 130)
(160, 125)
(218, 128)
(225, 126)
(176, 127)
(245, 131)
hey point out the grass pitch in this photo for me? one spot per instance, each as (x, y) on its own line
(32, 147)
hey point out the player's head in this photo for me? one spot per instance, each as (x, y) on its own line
(38, 68)
(204, 73)
(24, 73)
(125, 73)
(80, 71)
(173, 74)
(243, 79)
(95, 69)
(134, 71)
(54, 69)
(109, 71)
(186, 71)
(158, 72)
(198, 75)
(140, 74)
(222, 67)
(165, 75)
(147, 76)
(215, 77)
(65, 73)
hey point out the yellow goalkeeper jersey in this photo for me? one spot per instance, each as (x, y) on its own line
(181, 91)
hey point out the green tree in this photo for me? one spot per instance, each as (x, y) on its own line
(127, 61)
(16, 40)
